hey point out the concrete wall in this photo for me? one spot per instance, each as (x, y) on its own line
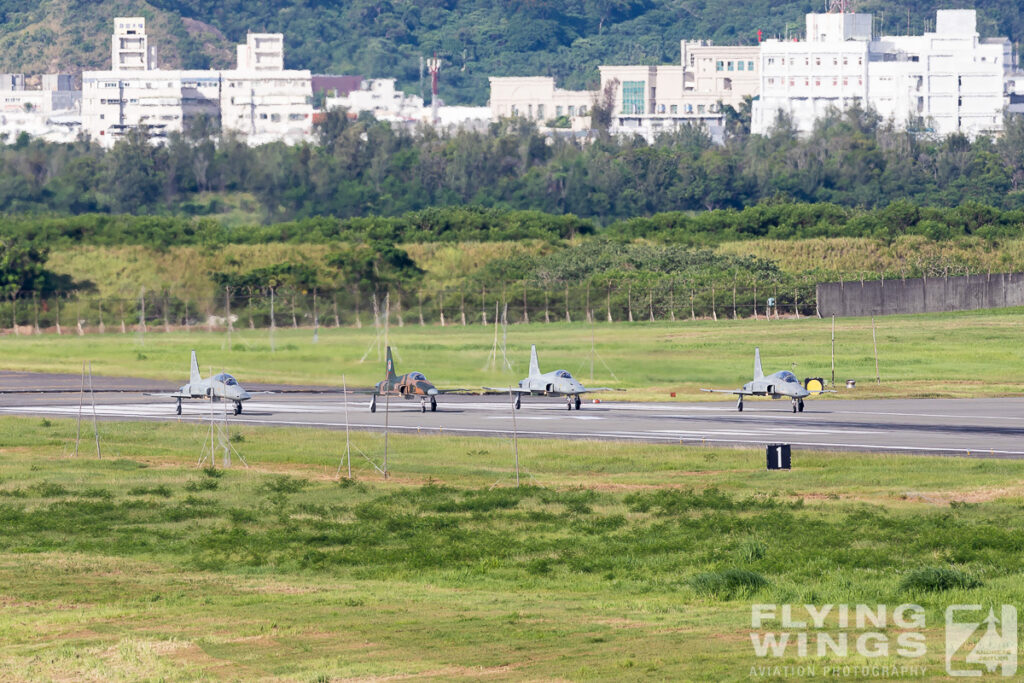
(920, 295)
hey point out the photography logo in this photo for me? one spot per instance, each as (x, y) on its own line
(977, 644)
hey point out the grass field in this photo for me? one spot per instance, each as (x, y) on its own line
(956, 355)
(611, 562)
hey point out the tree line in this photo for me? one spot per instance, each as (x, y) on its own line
(364, 168)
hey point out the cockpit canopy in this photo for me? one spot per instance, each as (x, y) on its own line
(787, 376)
(417, 376)
(226, 379)
(563, 374)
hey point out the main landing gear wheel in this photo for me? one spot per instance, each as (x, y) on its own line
(178, 409)
(373, 404)
(433, 404)
(794, 405)
(568, 402)
(800, 406)
(518, 402)
(577, 403)
(238, 408)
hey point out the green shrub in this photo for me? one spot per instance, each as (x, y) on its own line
(727, 584)
(935, 579)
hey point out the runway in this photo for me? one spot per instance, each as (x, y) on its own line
(955, 427)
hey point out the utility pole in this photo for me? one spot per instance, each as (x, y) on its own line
(434, 64)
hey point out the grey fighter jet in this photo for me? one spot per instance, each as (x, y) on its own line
(219, 387)
(782, 384)
(555, 383)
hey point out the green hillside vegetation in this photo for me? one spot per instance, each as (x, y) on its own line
(70, 36)
(476, 38)
(612, 562)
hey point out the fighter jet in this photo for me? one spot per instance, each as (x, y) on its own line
(218, 387)
(782, 384)
(556, 383)
(408, 386)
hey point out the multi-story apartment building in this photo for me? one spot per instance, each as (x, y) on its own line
(944, 81)
(259, 99)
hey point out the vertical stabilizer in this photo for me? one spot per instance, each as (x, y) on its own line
(758, 372)
(391, 366)
(194, 377)
(534, 365)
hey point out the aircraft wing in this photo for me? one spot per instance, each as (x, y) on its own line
(505, 390)
(738, 392)
(458, 391)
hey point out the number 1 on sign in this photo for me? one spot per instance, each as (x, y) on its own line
(778, 453)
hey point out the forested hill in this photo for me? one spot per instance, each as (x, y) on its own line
(477, 38)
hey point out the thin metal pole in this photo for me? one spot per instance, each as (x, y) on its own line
(387, 412)
(515, 434)
(95, 427)
(81, 400)
(833, 349)
(348, 447)
(874, 341)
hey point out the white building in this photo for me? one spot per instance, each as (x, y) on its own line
(655, 99)
(52, 111)
(259, 100)
(129, 46)
(945, 81)
(537, 99)
(262, 100)
(379, 97)
(647, 99)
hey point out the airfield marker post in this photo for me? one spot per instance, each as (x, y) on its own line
(95, 427)
(874, 342)
(348, 442)
(81, 400)
(833, 349)
(515, 434)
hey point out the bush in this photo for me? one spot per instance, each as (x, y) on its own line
(728, 583)
(935, 579)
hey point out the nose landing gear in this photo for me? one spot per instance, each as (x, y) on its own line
(433, 404)
(798, 405)
(238, 407)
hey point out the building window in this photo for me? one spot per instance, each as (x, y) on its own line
(860, 61)
(739, 66)
(817, 61)
(540, 112)
(771, 81)
(783, 61)
(572, 110)
(726, 84)
(729, 66)
(719, 66)
(750, 66)
(817, 84)
(558, 111)
(583, 110)
(700, 108)
(661, 108)
(275, 117)
(674, 109)
(633, 93)
(846, 61)
(296, 117)
(846, 82)
(771, 61)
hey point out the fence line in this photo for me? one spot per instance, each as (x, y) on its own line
(79, 313)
